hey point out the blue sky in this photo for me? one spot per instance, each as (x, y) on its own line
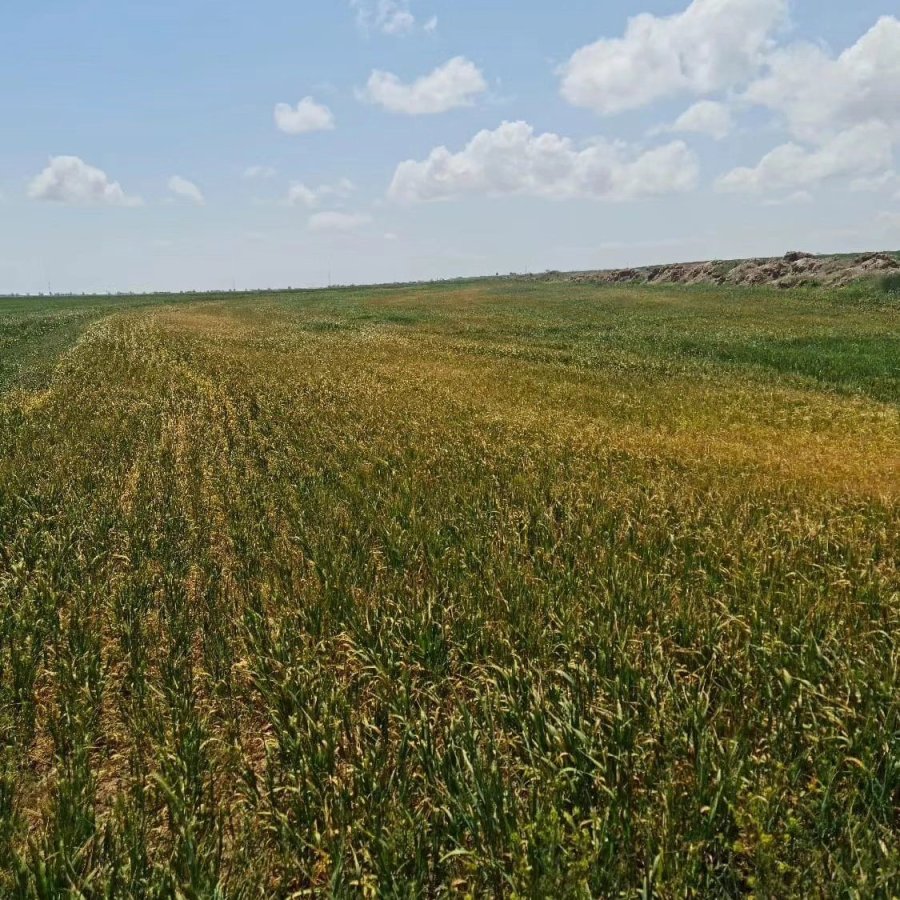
(203, 143)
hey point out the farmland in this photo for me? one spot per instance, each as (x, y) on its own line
(490, 588)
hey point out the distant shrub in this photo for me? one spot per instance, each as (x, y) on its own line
(890, 284)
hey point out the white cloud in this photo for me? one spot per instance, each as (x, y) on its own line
(819, 96)
(305, 117)
(706, 117)
(844, 111)
(300, 194)
(514, 160)
(794, 199)
(859, 151)
(70, 180)
(187, 190)
(387, 16)
(454, 84)
(711, 45)
(338, 221)
(886, 181)
(261, 172)
(430, 27)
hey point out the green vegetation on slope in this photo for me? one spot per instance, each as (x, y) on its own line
(492, 589)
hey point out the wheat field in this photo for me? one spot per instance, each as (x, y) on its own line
(482, 589)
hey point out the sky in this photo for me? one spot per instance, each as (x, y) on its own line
(211, 144)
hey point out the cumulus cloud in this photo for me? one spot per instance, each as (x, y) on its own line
(70, 180)
(709, 46)
(338, 221)
(706, 117)
(387, 16)
(253, 172)
(843, 113)
(187, 190)
(454, 84)
(819, 96)
(305, 117)
(860, 151)
(300, 194)
(514, 160)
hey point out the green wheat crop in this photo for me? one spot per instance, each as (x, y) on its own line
(490, 589)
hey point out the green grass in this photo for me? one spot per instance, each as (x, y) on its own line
(492, 589)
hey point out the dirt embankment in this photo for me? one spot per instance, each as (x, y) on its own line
(794, 269)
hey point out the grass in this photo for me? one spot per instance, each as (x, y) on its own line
(890, 284)
(491, 589)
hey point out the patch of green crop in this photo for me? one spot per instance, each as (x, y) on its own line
(488, 589)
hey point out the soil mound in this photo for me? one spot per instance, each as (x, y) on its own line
(794, 269)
